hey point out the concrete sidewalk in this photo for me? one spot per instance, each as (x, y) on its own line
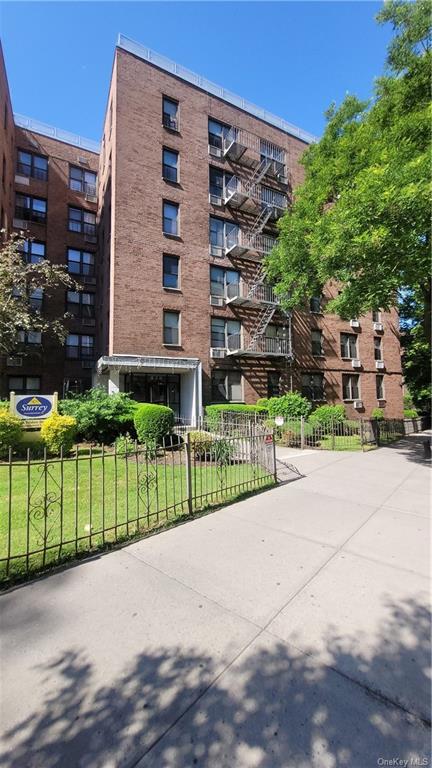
(286, 631)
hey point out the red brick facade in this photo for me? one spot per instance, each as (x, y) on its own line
(131, 298)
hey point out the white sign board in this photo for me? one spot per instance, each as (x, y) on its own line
(279, 420)
(33, 407)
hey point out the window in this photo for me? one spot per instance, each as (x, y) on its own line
(171, 327)
(380, 388)
(80, 304)
(222, 330)
(170, 271)
(226, 386)
(170, 165)
(217, 132)
(32, 338)
(348, 345)
(80, 262)
(33, 251)
(30, 208)
(36, 299)
(312, 385)
(350, 386)
(276, 331)
(82, 221)
(81, 180)
(35, 166)
(317, 342)
(315, 304)
(221, 279)
(170, 218)
(376, 316)
(273, 383)
(76, 386)
(216, 182)
(170, 113)
(377, 348)
(23, 385)
(223, 234)
(79, 347)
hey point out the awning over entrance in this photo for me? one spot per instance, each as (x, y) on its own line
(118, 372)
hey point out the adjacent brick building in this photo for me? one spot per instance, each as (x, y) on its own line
(191, 182)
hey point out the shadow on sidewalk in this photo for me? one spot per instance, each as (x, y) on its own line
(275, 707)
(412, 447)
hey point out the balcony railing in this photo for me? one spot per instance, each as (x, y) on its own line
(237, 193)
(250, 294)
(262, 346)
(249, 245)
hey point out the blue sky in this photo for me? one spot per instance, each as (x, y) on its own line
(293, 58)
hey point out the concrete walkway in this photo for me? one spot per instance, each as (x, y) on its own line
(286, 631)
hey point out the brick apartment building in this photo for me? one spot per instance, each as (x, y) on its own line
(166, 228)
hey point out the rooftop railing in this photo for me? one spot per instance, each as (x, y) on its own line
(56, 133)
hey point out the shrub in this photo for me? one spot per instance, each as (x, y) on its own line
(408, 401)
(201, 443)
(291, 405)
(58, 431)
(100, 417)
(124, 444)
(4, 404)
(153, 422)
(262, 402)
(326, 415)
(410, 413)
(378, 413)
(223, 451)
(10, 432)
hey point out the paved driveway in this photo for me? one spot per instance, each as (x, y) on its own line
(286, 631)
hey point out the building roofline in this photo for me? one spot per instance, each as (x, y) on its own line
(168, 65)
(35, 126)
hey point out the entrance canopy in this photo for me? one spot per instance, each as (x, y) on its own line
(115, 371)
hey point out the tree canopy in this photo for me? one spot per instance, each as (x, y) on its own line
(20, 282)
(362, 215)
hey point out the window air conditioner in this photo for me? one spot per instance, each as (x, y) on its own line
(356, 363)
(358, 404)
(217, 301)
(23, 180)
(217, 352)
(379, 364)
(20, 224)
(14, 362)
(378, 327)
(354, 323)
(217, 250)
(215, 151)
(215, 200)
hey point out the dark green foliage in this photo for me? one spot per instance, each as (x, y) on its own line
(262, 402)
(326, 415)
(100, 417)
(153, 422)
(290, 405)
(377, 413)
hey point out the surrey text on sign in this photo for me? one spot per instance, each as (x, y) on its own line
(33, 406)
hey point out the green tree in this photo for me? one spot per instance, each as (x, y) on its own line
(416, 356)
(361, 217)
(18, 282)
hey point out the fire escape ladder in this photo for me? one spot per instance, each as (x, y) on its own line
(262, 322)
(256, 282)
(259, 173)
(261, 220)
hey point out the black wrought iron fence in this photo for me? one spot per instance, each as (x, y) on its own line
(59, 508)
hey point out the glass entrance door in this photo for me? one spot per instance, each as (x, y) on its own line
(162, 389)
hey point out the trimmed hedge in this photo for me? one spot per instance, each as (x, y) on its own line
(291, 405)
(100, 417)
(58, 431)
(152, 422)
(326, 415)
(10, 432)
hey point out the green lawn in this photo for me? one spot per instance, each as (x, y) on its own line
(50, 509)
